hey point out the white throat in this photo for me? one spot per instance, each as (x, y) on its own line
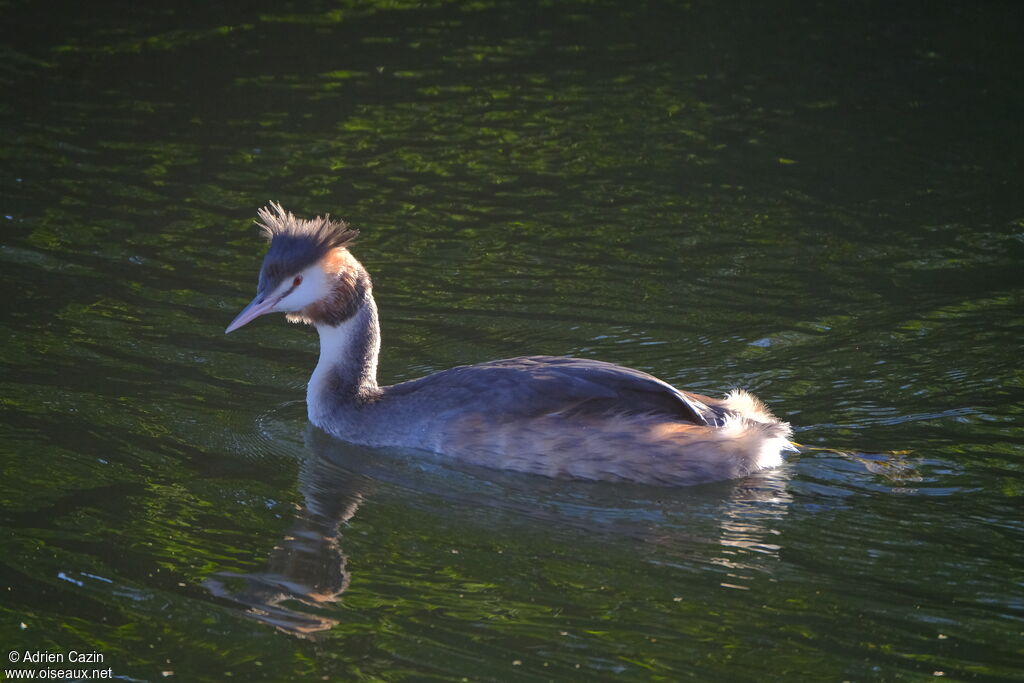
(347, 364)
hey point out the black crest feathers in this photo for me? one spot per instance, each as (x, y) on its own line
(324, 233)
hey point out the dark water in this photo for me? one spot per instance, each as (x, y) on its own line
(820, 202)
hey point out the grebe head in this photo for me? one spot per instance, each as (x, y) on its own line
(308, 272)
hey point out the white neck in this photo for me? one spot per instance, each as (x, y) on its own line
(347, 370)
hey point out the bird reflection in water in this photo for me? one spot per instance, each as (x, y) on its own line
(306, 571)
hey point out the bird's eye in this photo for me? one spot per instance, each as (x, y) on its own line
(297, 281)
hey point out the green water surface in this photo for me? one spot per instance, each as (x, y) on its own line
(820, 202)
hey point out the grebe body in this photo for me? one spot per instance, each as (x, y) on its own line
(560, 417)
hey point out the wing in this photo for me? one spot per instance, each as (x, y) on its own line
(539, 385)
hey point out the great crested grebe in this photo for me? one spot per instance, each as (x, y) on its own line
(568, 418)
